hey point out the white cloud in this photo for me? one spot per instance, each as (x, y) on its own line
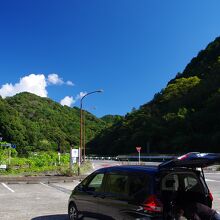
(54, 79)
(68, 101)
(34, 83)
(80, 95)
(70, 83)
(37, 84)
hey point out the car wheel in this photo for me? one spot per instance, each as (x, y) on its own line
(72, 212)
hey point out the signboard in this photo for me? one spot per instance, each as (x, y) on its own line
(138, 149)
(139, 154)
(75, 153)
(3, 166)
(73, 159)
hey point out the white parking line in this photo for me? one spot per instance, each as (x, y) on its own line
(53, 186)
(209, 180)
(44, 184)
(3, 184)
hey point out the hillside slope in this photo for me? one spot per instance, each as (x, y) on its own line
(182, 117)
(36, 123)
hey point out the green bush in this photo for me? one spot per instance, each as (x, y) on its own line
(36, 162)
(86, 167)
(66, 171)
(40, 163)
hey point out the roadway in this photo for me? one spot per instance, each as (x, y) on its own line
(213, 181)
(43, 201)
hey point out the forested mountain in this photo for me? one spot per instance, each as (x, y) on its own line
(112, 119)
(185, 116)
(36, 123)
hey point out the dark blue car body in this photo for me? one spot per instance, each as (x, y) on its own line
(142, 192)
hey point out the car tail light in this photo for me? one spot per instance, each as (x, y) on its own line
(153, 204)
(210, 196)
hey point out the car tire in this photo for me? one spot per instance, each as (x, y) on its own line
(72, 212)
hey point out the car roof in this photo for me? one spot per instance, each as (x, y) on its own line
(131, 168)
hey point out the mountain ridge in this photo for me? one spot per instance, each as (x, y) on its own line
(181, 117)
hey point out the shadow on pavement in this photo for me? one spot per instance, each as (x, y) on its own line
(51, 217)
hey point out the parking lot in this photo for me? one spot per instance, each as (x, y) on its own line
(44, 201)
(34, 201)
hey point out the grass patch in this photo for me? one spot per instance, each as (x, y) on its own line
(43, 163)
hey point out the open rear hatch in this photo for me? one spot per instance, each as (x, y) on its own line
(193, 160)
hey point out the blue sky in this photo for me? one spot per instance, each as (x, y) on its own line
(128, 48)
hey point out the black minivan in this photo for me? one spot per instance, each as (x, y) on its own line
(142, 192)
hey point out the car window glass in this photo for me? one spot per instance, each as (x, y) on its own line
(170, 182)
(139, 186)
(191, 183)
(117, 183)
(96, 183)
(85, 181)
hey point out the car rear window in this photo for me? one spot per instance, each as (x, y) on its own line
(117, 184)
(139, 186)
(134, 186)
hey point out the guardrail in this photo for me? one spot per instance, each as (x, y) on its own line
(100, 158)
(146, 158)
(153, 158)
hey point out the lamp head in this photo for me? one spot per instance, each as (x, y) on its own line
(100, 90)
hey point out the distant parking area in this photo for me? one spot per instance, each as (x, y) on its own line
(49, 201)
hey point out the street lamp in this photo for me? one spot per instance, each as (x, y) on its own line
(81, 125)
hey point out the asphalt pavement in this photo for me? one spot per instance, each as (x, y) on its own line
(213, 181)
(46, 198)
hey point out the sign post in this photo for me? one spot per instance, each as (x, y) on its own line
(139, 154)
(58, 157)
(74, 157)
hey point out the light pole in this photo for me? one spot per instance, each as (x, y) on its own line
(81, 125)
